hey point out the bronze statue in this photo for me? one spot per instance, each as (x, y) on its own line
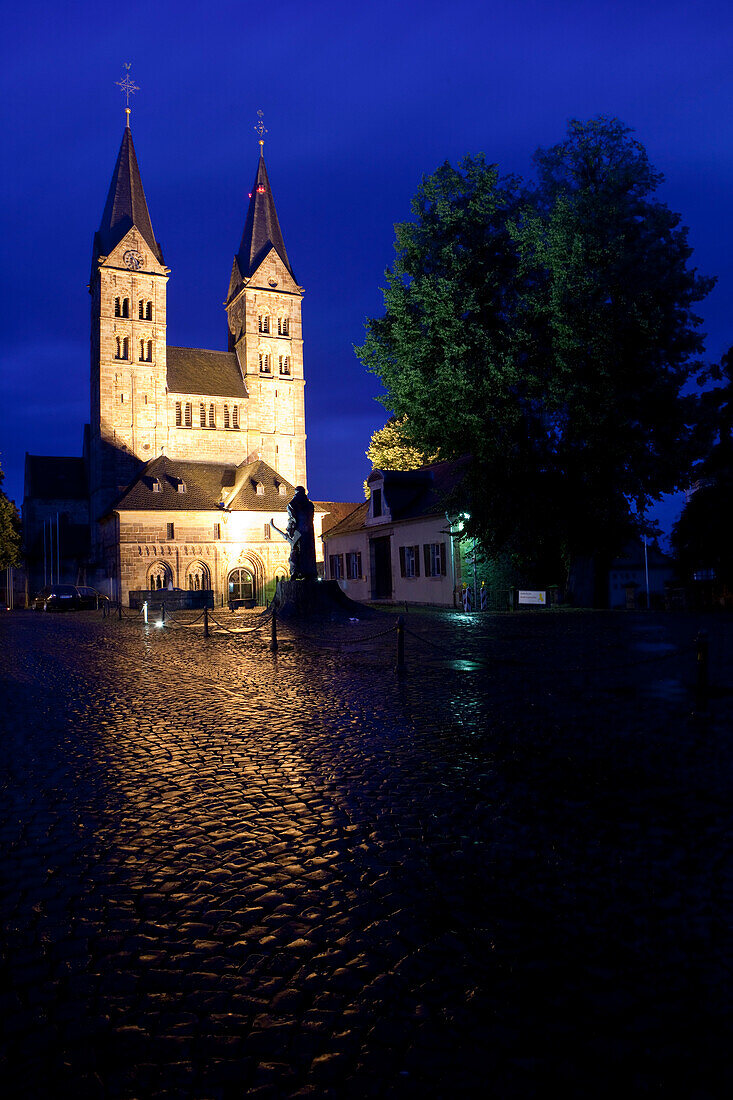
(299, 533)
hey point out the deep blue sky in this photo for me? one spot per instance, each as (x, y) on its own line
(360, 100)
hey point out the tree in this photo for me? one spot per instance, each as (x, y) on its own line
(9, 530)
(549, 333)
(390, 448)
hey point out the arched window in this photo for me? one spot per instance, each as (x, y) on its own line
(226, 416)
(144, 310)
(158, 576)
(285, 364)
(202, 415)
(118, 348)
(198, 577)
(189, 415)
(241, 585)
(264, 322)
(283, 326)
(125, 307)
(118, 307)
(264, 362)
(122, 347)
(179, 417)
(235, 416)
(146, 351)
(212, 417)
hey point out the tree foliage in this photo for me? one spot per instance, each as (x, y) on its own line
(548, 331)
(390, 448)
(9, 530)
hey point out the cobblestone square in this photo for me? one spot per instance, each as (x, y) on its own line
(229, 873)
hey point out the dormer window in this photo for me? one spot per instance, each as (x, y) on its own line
(376, 502)
(122, 307)
(283, 326)
(144, 310)
(157, 487)
(181, 487)
(264, 322)
(282, 490)
(260, 489)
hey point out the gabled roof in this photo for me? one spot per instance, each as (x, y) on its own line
(261, 228)
(410, 494)
(200, 371)
(209, 485)
(48, 477)
(126, 205)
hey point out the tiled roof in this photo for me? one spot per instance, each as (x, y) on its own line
(48, 477)
(261, 228)
(200, 371)
(337, 510)
(126, 205)
(208, 486)
(411, 494)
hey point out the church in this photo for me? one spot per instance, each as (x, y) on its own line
(191, 455)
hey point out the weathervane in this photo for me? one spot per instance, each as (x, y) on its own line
(129, 87)
(260, 128)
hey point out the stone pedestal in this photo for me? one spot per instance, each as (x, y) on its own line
(314, 598)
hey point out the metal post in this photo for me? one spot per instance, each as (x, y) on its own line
(400, 645)
(273, 632)
(703, 671)
(58, 552)
(162, 614)
(206, 622)
(145, 612)
(119, 609)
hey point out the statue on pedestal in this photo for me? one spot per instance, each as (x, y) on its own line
(299, 534)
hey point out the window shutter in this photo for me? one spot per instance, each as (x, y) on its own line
(426, 557)
(442, 558)
(403, 566)
(417, 560)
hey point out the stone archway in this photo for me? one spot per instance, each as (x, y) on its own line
(198, 576)
(159, 576)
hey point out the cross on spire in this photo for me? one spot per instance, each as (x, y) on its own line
(260, 128)
(129, 87)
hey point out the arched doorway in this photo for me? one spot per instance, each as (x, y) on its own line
(241, 585)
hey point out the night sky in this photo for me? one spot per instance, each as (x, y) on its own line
(360, 101)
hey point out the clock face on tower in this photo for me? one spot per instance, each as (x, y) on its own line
(133, 259)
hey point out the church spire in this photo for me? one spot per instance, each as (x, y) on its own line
(262, 228)
(126, 205)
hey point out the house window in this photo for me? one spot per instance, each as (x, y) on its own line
(282, 490)
(181, 486)
(202, 415)
(217, 530)
(179, 418)
(264, 322)
(434, 553)
(353, 565)
(264, 362)
(170, 531)
(283, 326)
(241, 585)
(157, 487)
(336, 566)
(189, 415)
(285, 364)
(226, 416)
(268, 532)
(144, 310)
(260, 489)
(376, 502)
(409, 561)
(235, 416)
(212, 417)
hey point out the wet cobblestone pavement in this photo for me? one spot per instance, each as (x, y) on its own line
(230, 874)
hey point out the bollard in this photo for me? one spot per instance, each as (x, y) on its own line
(273, 634)
(162, 615)
(119, 609)
(400, 645)
(145, 612)
(702, 687)
(206, 622)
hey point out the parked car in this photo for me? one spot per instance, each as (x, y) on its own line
(90, 598)
(57, 597)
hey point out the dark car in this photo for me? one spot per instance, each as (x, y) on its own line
(57, 597)
(89, 598)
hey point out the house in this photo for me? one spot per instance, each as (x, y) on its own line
(401, 544)
(627, 577)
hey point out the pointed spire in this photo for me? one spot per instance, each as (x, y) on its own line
(261, 229)
(126, 205)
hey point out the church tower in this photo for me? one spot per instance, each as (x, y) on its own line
(128, 337)
(264, 318)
